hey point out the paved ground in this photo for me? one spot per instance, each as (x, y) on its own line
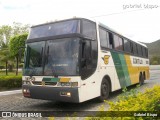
(16, 102)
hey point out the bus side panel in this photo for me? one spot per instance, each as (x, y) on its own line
(108, 68)
(121, 69)
(133, 71)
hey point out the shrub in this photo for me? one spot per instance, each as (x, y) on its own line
(146, 101)
(10, 81)
(134, 102)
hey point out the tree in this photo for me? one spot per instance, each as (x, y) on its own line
(14, 46)
(7, 31)
(5, 57)
(5, 34)
(19, 28)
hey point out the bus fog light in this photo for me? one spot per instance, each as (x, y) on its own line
(24, 90)
(68, 94)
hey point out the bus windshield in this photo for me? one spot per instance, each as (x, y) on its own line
(52, 57)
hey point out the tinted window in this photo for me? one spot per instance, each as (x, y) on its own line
(139, 50)
(111, 40)
(34, 58)
(135, 48)
(89, 55)
(131, 44)
(127, 46)
(62, 57)
(118, 43)
(89, 29)
(104, 37)
(143, 51)
(53, 29)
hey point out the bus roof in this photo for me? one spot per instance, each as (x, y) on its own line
(112, 30)
(93, 20)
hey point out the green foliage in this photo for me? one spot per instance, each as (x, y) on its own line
(10, 81)
(126, 94)
(153, 49)
(138, 101)
(132, 101)
(16, 42)
(15, 45)
(5, 57)
(5, 33)
(155, 60)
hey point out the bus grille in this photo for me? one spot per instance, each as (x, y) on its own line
(46, 83)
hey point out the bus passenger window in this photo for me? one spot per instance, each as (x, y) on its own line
(104, 37)
(118, 43)
(110, 41)
(135, 50)
(127, 46)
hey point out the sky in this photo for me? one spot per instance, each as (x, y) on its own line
(135, 19)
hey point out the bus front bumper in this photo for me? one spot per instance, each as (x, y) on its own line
(64, 94)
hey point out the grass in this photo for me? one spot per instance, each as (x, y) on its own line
(3, 73)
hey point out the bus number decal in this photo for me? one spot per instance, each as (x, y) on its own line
(106, 59)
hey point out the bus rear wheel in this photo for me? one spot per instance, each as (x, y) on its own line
(141, 79)
(105, 89)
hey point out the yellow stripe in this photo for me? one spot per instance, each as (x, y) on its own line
(65, 79)
(134, 71)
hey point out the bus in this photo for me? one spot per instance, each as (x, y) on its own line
(78, 59)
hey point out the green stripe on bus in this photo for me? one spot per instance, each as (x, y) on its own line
(119, 68)
(125, 69)
(50, 79)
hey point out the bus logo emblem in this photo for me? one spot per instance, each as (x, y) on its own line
(106, 59)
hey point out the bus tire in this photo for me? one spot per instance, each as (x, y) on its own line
(141, 79)
(105, 90)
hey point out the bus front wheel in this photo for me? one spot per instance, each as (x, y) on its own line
(105, 89)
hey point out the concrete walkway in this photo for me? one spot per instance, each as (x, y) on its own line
(10, 92)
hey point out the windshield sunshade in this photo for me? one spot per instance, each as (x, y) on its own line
(57, 28)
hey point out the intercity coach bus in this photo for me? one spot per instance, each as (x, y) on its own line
(78, 59)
